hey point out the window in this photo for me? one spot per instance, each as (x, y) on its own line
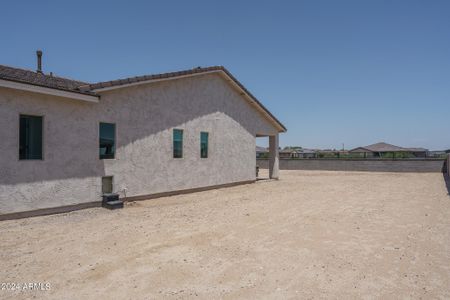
(107, 140)
(30, 137)
(203, 144)
(177, 143)
(107, 185)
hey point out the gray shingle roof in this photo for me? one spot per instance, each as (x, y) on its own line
(43, 80)
(123, 81)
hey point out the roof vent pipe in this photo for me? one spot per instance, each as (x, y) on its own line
(39, 61)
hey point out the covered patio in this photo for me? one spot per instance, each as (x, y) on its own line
(274, 155)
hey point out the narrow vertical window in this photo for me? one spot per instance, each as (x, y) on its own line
(30, 137)
(107, 140)
(203, 144)
(177, 143)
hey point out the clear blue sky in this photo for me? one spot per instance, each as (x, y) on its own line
(353, 72)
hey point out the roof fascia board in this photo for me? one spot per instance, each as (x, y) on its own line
(47, 91)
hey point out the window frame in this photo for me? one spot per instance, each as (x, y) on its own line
(115, 140)
(207, 144)
(42, 137)
(173, 143)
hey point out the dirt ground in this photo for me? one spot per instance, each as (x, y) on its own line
(312, 234)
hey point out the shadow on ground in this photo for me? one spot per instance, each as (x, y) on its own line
(262, 178)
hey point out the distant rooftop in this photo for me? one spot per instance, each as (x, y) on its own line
(261, 149)
(385, 147)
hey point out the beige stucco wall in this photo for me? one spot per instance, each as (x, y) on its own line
(145, 116)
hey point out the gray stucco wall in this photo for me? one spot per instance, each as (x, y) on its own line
(145, 115)
(371, 165)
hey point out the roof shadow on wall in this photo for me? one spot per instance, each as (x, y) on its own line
(151, 108)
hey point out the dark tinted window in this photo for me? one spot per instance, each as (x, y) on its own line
(107, 140)
(203, 144)
(30, 137)
(177, 143)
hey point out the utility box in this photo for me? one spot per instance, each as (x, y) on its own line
(108, 197)
(112, 201)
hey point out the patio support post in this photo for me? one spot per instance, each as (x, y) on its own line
(274, 157)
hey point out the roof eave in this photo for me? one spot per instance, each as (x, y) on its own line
(48, 91)
(126, 85)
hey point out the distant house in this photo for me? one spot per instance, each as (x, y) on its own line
(437, 153)
(286, 153)
(387, 150)
(297, 152)
(418, 152)
(262, 152)
(330, 153)
(290, 152)
(308, 153)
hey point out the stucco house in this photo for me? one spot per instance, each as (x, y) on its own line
(382, 149)
(66, 142)
(262, 152)
(288, 153)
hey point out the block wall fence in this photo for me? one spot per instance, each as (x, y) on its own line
(368, 165)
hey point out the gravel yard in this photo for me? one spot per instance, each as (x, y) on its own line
(312, 234)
